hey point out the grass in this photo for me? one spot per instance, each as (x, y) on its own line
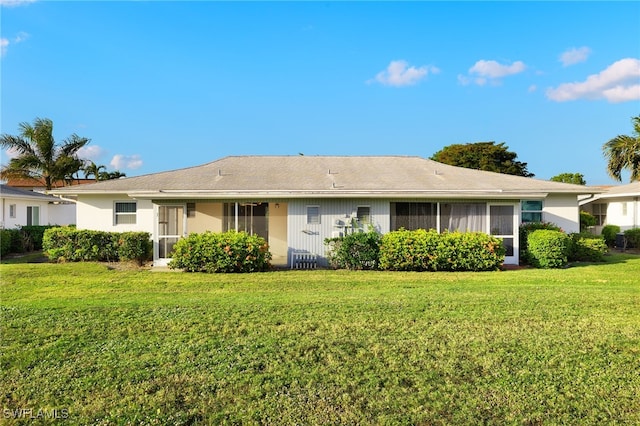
(100, 346)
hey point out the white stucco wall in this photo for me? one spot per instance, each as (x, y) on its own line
(62, 214)
(625, 213)
(97, 212)
(563, 211)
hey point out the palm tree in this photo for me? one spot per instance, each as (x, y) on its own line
(92, 169)
(623, 152)
(39, 157)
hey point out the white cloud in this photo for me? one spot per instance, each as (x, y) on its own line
(574, 56)
(93, 152)
(483, 72)
(126, 162)
(399, 74)
(5, 42)
(532, 88)
(4, 45)
(619, 82)
(14, 3)
(11, 153)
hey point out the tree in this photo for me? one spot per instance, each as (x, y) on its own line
(92, 169)
(483, 156)
(99, 172)
(38, 155)
(623, 152)
(574, 178)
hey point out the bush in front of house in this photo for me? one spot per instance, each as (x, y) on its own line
(358, 250)
(548, 248)
(68, 244)
(422, 250)
(587, 220)
(609, 233)
(5, 241)
(586, 247)
(229, 251)
(526, 229)
(633, 237)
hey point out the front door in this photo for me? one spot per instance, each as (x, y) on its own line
(503, 224)
(171, 227)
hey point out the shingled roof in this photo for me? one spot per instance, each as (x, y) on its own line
(325, 176)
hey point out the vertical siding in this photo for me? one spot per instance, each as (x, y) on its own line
(310, 237)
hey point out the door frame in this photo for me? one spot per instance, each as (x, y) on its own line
(515, 259)
(157, 260)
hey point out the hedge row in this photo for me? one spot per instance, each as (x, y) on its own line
(68, 244)
(23, 239)
(554, 249)
(221, 252)
(418, 250)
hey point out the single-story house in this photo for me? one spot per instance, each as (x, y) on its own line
(618, 205)
(21, 207)
(296, 202)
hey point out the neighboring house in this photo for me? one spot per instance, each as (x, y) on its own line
(295, 202)
(21, 207)
(618, 205)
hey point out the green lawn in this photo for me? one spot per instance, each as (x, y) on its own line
(95, 345)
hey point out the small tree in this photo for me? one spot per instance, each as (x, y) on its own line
(587, 220)
(574, 178)
(483, 156)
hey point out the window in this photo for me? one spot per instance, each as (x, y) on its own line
(364, 215)
(125, 213)
(191, 209)
(600, 213)
(12, 211)
(33, 215)
(624, 209)
(531, 211)
(313, 215)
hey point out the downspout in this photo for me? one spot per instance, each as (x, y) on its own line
(636, 212)
(236, 205)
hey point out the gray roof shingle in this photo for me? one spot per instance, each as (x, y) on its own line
(336, 175)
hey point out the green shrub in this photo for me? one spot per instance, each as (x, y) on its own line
(586, 247)
(5, 241)
(359, 250)
(221, 252)
(72, 245)
(134, 246)
(633, 237)
(32, 236)
(548, 248)
(526, 229)
(609, 233)
(422, 250)
(587, 220)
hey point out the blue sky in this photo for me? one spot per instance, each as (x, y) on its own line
(164, 85)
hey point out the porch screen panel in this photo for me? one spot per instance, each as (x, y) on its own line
(412, 216)
(464, 217)
(501, 220)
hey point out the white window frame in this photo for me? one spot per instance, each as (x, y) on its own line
(117, 214)
(13, 208)
(369, 220)
(523, 211)
(33, 212)
(310, 216)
